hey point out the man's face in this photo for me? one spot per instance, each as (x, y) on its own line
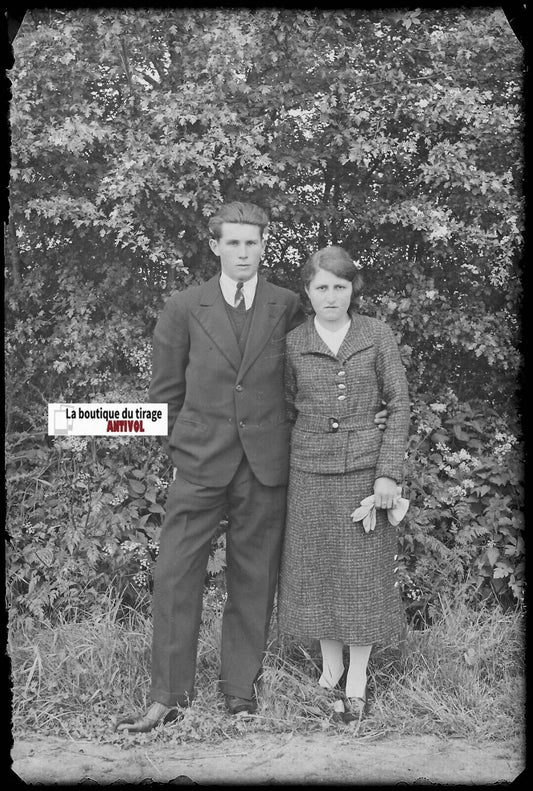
(239, 248)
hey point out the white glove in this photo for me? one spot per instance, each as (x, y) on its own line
(367, 512)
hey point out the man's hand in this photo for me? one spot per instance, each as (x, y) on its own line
(385, 492)
(381, 419)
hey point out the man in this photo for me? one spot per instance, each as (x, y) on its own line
(218, 364)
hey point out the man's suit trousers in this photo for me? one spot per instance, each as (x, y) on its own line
(253, 544)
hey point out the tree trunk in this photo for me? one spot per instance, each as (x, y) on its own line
(11, 251)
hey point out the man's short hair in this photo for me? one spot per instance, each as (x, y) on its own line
(237, 212)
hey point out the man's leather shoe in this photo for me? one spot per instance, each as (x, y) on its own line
(155, 714)
(236, 705)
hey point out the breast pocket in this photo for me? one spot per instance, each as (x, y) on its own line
(275, 346)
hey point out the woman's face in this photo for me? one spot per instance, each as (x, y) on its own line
(330, 297)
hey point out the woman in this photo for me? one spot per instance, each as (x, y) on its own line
(336, 579)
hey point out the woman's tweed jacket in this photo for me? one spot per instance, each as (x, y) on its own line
(333, 400)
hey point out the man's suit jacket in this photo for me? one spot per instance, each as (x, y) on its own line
(219, 401)
(334, 399)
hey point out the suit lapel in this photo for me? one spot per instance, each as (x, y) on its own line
(267, 313)
(211, 313)
(313, 343)
(357, 338)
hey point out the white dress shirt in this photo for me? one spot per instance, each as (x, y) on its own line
(229, 287)
(332, 338)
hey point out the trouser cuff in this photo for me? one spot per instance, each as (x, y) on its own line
(227, 688)
(184, 700)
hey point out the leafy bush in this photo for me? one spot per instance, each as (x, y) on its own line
(397, 134)
(465, 522)
(85, 514)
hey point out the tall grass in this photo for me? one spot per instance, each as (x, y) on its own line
(462, 677)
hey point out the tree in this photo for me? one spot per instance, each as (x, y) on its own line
(394, 133)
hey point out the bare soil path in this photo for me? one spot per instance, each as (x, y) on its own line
(266, 759)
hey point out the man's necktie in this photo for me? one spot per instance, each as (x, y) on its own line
(239, 297)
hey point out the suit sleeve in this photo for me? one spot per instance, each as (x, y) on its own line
(391, 376)
(290, 389)
(169, 362)
(297, 315)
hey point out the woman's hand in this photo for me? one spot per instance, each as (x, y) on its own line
(385, 492)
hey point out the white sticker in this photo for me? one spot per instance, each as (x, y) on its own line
(107, 420)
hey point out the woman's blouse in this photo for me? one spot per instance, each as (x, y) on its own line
(332, 338)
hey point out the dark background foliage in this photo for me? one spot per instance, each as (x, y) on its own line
(397, 134)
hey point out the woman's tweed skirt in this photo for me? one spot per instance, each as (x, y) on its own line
(336, 581)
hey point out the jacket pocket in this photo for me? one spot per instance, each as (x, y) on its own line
(319, 452)
(185, 425)
(363, 448)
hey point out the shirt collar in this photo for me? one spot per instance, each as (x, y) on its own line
(228, 287)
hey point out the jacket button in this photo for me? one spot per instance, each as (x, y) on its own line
(341, 398)
(242, 423)
(238, 388)
(341, 386)
(341, 373)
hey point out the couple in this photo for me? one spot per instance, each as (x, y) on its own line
(238, 392)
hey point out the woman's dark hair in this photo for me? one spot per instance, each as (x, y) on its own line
(336, 260)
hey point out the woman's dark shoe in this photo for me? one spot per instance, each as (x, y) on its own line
(332, 697)
(348, 710)
(156, 713)
(236, 705)
(354, 710)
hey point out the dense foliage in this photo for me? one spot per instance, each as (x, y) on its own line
(395, 133)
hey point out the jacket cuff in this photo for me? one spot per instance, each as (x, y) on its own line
(388, 472)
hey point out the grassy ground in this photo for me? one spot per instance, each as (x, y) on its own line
(462, 677)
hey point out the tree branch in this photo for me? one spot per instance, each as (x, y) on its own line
(125, 61)
(148, 79)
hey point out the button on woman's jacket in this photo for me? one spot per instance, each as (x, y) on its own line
(337, 397)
